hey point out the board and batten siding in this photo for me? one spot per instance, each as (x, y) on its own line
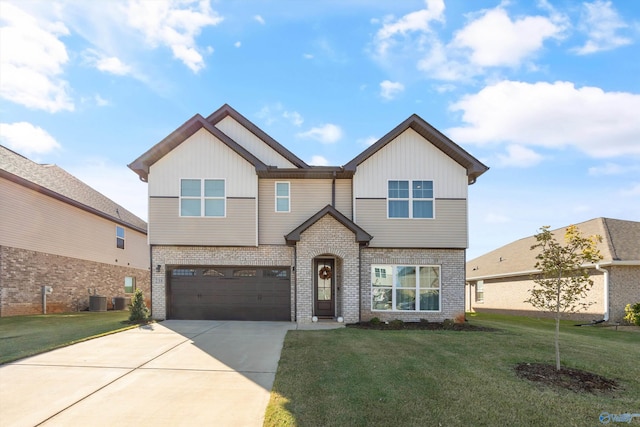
(447, 230)
(202, 156)
(252, 143)
(33, 221)
(408, 157)
(238, 228)
(308, 196)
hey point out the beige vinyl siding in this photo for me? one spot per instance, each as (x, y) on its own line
(344, 197)
(447, 230)
(409, 157)
(203, 156)
(308, 196)
(33, 221)
(166, 227)
(252, 143)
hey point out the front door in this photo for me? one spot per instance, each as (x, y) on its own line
(324, 288)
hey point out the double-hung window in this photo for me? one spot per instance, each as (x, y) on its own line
(480, 291)
(283, 197)
(119, 237)
(405, 287)
(202, 197)
(410, 199)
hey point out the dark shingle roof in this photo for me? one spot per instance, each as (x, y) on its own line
(619, 243)
(56, 182)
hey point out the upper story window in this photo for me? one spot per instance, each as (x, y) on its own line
(410, 199)
(202, 197)
(119, 237)
(283, 197)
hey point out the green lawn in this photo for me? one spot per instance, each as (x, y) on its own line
(22, 336)
(352, 377)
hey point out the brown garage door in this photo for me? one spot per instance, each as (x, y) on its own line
(230, 293)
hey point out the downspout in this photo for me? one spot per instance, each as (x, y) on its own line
(333, 190)
(606, 291)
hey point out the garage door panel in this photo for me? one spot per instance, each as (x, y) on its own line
(230, 293)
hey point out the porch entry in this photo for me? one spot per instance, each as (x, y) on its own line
(324, 288)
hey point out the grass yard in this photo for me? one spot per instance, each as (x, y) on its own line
(22, 336)
(355, 377)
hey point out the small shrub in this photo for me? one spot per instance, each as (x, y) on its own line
(448, 324)
(460, 318)
(375, 321)
(424, 321)
(632, 314)
(138, 311)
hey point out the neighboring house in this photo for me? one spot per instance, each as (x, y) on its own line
(241, 228)
(57, 231)
(500, 280)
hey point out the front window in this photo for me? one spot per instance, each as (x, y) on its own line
(129, 285)
(119, 237)
(283, 197)
(202, 197)
(480, 291)
(405, 287)
(410, 199)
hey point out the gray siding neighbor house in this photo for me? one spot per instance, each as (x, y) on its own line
(241, 228)
(499, 281)
(57, 231)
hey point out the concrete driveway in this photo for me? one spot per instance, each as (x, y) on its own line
(173, 373)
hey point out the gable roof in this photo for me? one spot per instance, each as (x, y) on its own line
(55, 182)
(473, 166)
(619, 246)
(362, 236)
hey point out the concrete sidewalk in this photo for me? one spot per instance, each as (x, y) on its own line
(173, 373)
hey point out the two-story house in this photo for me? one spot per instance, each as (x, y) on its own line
(57, 231)
(241, 228)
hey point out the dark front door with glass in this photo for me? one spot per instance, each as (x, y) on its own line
(324, 301)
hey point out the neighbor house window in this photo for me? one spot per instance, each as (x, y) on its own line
(405, 287)
(283, 197)
(480, 291)
(202, 197)
(129, 285)
(119, 237)
(410, 199)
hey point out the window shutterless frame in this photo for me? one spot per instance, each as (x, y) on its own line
(410, 199)
(283, 196)
(202, 198)
(406, 288)
(119, 237)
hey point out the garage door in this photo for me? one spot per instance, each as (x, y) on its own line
(230, 293)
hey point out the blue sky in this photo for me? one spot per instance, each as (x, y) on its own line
(545, 93)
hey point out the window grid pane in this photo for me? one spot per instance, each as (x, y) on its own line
(214, 188)
(398, 209)
(282, 204)
(214, 207)
(422, 209)
(190, 188)
(190, 207)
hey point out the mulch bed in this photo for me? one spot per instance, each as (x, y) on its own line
(566, 378)
(427, 326)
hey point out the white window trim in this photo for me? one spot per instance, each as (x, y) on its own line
(202, 198)
(479, 283)
(394, 287)
(411, 199)
(288, 197)
(124, 234)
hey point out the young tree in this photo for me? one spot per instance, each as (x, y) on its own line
(564, 281)
(138, 311)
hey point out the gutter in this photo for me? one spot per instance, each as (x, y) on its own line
(606, 291)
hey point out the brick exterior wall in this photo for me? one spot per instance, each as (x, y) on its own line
(452, 285)
(24, 272)
(330, 239)
(171, 256)
(624, 288)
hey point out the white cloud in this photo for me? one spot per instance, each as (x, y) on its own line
(366, 142)
(100, 101)
(495, 218)
(327, 134)
(602, 23)
(613, 169)
(259, 19)
(294, 117)
(389, 89)
(496, 40)
(519, 156)
(27, 139)
(237, 44)
(32, 61)
(601, 124)
(107, 64)
(394, 30)
(307, 56)
(175, 24)
(633, 190)
(318, 161)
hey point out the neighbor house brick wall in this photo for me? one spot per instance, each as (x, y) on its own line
(452, 267)
(624, 288)
(24, 272)
(328, 238)
(173, 256)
